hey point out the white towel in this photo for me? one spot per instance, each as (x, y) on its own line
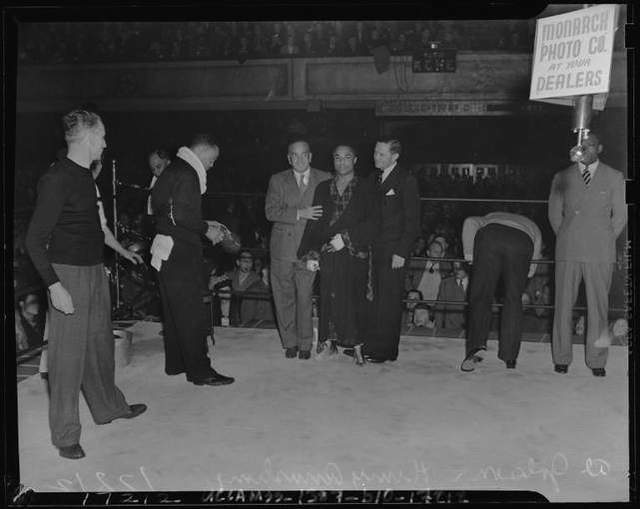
(160, 250)
(186, 154)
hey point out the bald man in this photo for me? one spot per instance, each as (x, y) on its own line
(288, 207)
(587, 212)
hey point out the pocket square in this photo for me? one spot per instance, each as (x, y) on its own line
(390, 192)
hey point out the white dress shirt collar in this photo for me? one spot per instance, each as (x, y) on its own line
(304, 175)
(592, 167)
(386, 171)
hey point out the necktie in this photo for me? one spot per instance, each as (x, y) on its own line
(379, 177)
(586, 175)
(302, 184)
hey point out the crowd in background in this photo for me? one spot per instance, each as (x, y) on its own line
(440, 237)
(144, 41)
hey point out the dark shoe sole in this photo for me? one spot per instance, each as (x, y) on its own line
(213, 383)
(599, 372)
(561, 368)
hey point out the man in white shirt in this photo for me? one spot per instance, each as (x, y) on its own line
(500, 245)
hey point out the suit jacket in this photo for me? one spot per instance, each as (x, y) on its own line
(177, 203)
(356, 220)
(587, 220)
(281, 205)
(399, 213)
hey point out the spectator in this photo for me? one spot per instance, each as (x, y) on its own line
(419, 247)
(362, 39)
(400, 46)
(427, 281)
(332, 48)
(31, 319)
(351, 49)
(451, 316)
(290, 48)
(243, 50)
(242, 279)
(309, 47)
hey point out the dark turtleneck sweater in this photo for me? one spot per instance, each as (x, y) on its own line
(65, 226)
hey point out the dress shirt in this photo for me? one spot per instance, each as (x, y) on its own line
(304, 176)
(592, 167)
(524, 224)
(386, 171)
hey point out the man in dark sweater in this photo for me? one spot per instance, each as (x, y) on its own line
(65, 241)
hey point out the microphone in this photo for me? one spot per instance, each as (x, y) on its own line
(133, 186)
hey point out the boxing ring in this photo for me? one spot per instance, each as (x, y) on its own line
(326, 424)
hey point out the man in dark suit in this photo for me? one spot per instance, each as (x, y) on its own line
(177, 256)
(587, 212)
(398, 219)
(288, 207)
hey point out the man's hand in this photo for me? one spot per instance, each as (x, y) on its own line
(214, 234)
(60, 298)
(312, 213)
(397, 262)
(336, 242)
(134, 258)
(468, 258)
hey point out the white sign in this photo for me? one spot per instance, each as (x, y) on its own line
(573, 52)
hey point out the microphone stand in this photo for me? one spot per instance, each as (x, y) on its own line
(115, 230)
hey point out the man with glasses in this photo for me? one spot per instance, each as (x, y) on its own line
(288, 207)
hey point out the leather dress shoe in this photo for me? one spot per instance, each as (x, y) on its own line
(72, 452)
(134, 411)
(304, 354)
(214, 379)
(374, 360)
(291, 353)
(599, 372)
(511, 364)
(561, 368)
